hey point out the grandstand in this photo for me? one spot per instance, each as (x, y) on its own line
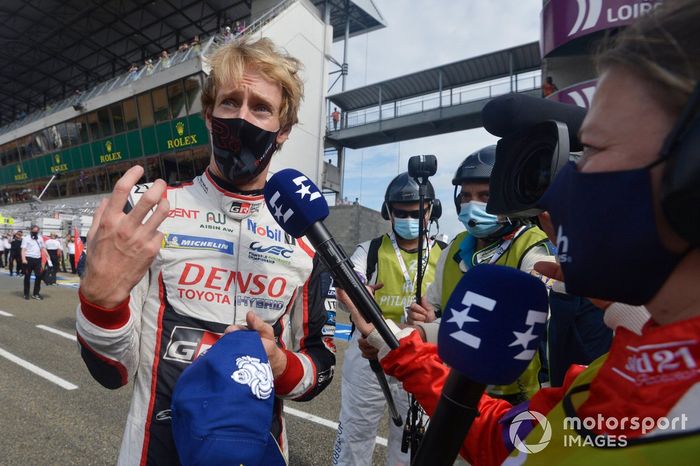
(97, 96)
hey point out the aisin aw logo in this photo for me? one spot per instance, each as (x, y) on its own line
(590, 11)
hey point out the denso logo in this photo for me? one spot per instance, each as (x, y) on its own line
(187, 344)
(183, 213)
(221, 280)
(274, 250)
(589, 13)
(265, 231)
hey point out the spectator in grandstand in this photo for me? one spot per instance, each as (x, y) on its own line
(164, 59)
(250, 103)
(148, 64)
(183, 47)
(336, 117)
(133, 72)
(195, 45)
(238, 29)
(549, 87)
(227, 37)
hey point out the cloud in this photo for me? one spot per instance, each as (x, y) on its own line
(427, 34)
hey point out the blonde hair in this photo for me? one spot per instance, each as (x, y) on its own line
(662, 48)
(229, 62)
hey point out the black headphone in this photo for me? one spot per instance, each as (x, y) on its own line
(435, 213)
(680, 189)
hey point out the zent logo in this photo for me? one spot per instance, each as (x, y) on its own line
(461, 317)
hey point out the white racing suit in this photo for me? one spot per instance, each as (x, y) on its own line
(222, 256)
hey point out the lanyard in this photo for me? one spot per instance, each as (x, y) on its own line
(500, 250)
(410, 284)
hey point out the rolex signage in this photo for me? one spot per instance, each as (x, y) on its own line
(20, 175)
(182, 140)
(110, 156)
(57, 165)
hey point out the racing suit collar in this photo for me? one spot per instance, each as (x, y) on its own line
(234, 205)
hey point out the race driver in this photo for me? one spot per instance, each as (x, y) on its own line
(158, 293)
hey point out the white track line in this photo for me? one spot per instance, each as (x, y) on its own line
(6, 314)
(58, 332)
(324, 422)
(37, 370)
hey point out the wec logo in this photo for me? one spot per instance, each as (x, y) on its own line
(274, 250)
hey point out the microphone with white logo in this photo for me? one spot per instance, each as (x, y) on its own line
(490, 330)
(300, 208)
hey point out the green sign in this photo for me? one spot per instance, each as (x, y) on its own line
(174, 135)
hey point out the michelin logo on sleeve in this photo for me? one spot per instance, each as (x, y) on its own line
(176, 241)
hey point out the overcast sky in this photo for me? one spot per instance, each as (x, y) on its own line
(422, 34)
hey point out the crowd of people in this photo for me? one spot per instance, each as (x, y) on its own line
(44, 256)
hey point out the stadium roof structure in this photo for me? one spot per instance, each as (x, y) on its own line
(51, 48)
(486, 67)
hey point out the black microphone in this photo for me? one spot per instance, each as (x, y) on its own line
(300, 208)
(490, 331)
(510, 113)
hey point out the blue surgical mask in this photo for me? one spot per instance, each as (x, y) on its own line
(406, 228)
(477, 221)
(607, 240)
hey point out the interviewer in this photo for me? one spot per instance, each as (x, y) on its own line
(648, 88)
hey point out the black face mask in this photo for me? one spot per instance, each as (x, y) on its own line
(241, 149)
(35, 234)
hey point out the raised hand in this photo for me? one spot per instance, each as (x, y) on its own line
(122, 246)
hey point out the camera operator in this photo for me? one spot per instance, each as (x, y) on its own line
(389, 264)
(645, 107)
(488, 239)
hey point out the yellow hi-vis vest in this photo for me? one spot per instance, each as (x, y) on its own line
(567, 447)
(528, 383)
(396, 294)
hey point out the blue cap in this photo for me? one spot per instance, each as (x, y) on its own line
(222, 406)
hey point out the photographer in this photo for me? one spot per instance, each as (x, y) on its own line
(624, 192)
(488, 239)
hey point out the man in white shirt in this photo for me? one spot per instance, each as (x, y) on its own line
(32, 247)
(55, 250)
(70, 244)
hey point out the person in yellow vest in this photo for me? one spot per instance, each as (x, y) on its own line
(628, 228)
(390, 264)
(488, 239)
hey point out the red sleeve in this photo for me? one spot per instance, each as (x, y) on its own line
(109, 319)
(291, 376)
(417, 365)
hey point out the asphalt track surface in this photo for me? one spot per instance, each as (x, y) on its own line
(53, 412)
